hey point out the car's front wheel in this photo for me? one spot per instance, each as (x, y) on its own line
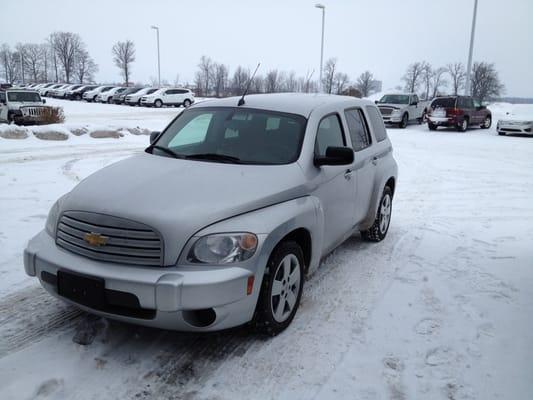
(186, 103)
(281, 289)
(380, 227)
(432, 126)
(404, 121)
(158, 103)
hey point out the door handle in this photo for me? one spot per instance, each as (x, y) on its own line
(374, 160)
(348, 174)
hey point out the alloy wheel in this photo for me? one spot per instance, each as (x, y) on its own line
(285, 287)
(385, 213)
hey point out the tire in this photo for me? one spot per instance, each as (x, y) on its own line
(109, 100)
(273, 312)
(423, 118)
(404, 122)
(78, 97)
(139, 102)
(94, 99)
(158, 103)
(487, 122)
(463, 126)
(432, 127)
(186, 103)
(501, 133)
(380, 227)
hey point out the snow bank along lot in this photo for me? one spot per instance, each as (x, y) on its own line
(442, 309)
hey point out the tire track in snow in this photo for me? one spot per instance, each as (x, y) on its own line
(31, 315)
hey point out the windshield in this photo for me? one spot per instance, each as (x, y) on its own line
(24, 96)
(443, 102)
(237, 135)
(395, 99)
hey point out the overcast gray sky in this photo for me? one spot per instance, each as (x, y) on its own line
(383, 36)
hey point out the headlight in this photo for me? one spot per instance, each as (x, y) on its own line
(51, 221)
(223, 248)
(396, 112)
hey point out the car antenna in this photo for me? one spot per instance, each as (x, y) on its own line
(241, 100)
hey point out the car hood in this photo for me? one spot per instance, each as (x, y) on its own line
(18, 104)
(391, 105)
(180, 197)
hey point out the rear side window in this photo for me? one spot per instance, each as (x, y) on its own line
(357, 128)
(171, 91)
(377, 123)
(443, 102)
(329, 134)
(181, 91)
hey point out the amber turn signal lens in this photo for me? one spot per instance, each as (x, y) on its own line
(248, 242)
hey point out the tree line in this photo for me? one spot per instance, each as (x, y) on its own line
(420, 77)
(62, 57)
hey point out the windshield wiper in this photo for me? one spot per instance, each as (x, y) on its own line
(215, 157)
(166, 150)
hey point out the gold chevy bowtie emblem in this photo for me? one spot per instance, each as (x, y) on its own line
(95, 239)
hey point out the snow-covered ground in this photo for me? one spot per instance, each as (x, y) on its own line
(439, 310)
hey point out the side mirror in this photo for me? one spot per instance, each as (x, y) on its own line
(414, 103)
(154, 136)
(335, 156)
(44, 101)
(376, 101)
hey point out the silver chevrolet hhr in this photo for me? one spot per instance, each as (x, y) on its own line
(222, 217)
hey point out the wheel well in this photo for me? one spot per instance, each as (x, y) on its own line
(391, 183)
(303, 238)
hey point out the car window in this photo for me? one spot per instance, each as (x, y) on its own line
(477, 104)
(357, 128)
(249, 135)
(181, 91)
(2, 97)
(377, 123)
(444, 102)
(329, 134)
(171, 91)
(415, 99)
(469, 103)
(194, 131)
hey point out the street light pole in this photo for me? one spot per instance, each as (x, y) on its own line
(323, 8)
(470, 52)
(158, 56)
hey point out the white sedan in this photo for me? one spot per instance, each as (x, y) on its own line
(515, 124)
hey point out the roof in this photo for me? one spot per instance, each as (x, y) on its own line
(294, 103)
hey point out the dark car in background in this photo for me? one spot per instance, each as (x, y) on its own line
(78, 93)
(458, 112)
(120, 98)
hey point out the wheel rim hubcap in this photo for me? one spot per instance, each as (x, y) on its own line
(285, 288)
(385, 213)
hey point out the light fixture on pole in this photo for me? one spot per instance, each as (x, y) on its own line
(323, 8)
(470, 52)
(158, 56)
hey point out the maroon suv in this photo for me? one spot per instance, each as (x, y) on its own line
(459, 112)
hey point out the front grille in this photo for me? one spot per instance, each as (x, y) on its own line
(32, 111)
(126, 241)
(385, 110)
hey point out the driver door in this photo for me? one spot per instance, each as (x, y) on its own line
(335, 184)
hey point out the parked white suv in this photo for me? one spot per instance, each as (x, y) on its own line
(168, 97)
(134, 99)
(402, 108)
(92, 95)
(106, 96)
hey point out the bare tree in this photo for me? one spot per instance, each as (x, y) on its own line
(85, 67)
(413, 76)
(9, 63)
(438, 80)
(272, 81)
(341, 81)
(66, 46)
(241, 76)
(427, 74)
(486, 83)
(291, 83)
(328, 76)
(205, 75)
(258, 84)
(21, 58)
(458, 76)
(123, 57)
(365, 83)
(220, 79)
(34, 60)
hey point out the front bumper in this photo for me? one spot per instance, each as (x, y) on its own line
(514, 128)
(165, 297)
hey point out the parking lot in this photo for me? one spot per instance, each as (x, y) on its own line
(424, 314)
